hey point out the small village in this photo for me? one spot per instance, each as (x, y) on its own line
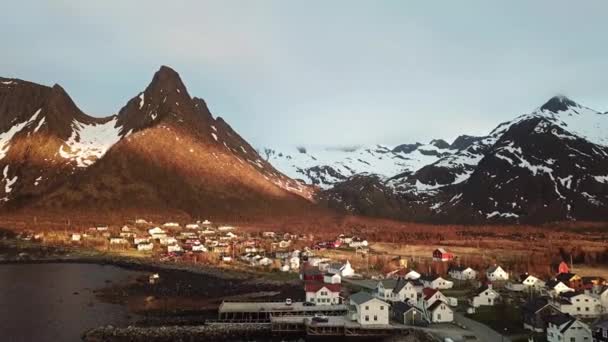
(341, 298)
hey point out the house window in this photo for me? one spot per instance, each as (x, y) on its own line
(438, 317)
(367, 318)
(366, 307)
(381, 307)
(375, 318)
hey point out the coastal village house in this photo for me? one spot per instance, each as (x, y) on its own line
(496, 273)
(344, 270)
(145, 246)
(578, 304)
(396, 290)
(556, 287)
(600, 331)
(405, 313)
(565, 328)
(603, 297)
(535, 313)
(434, 305)
(440, 312)
(332, 278)
(322, 294)
(531, 282)
(369, 310)
(485, 296)
(429, 296)
(441, 254)
(436, 282)
(571, 280)
(462, 273)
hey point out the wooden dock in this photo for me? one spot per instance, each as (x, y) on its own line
(263, 311)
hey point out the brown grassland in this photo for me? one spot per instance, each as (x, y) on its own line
(520, 248)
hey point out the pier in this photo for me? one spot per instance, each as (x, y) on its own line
(263, 311)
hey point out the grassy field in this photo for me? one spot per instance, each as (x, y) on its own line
(500, 317)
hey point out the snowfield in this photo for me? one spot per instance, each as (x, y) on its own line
(90, 142)
(337, 164)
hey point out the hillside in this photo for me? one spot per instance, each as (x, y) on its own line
(163, 151)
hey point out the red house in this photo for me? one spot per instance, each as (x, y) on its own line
(311, 273)
(441, 254)
(563, 268)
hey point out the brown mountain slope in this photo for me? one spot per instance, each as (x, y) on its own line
(176, 158)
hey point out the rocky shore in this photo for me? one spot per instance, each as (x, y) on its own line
(211, 332)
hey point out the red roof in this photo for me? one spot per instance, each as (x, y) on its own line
(428, 292)
(311, 286)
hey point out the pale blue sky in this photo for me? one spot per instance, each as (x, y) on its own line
(320, 72)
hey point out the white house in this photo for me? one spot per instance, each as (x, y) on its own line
(603, 297)
(225, 228)
(485, 296)
(578, 304)
(462, 273)
(294, 263)
(344, 270)
(167, 240)
(369, 310)
(430, 296)
(412, 275)
(396, 290)
(192, 226)
(556, 287)
(284, 244)
(76, 237)
(436, 282)
(199, 248)
(157, 233)
(440, 312)
(171, 225)
(356, 243)
(322, 294)
(565, 328)
(118, 241)
(174, 248)
(332, 278)
(145, 246)
(531, 282)
(496, 273)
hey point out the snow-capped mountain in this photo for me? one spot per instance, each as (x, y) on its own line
(329, 165)
(163, 151)
(550, 164)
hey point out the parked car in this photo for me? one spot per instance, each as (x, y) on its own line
(288, 301)
(309, 304)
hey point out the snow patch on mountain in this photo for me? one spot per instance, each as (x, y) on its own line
(325, 166)
(89, 142)
(6, 137)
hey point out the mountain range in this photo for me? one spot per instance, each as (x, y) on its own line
(548, 165)
(164, 152)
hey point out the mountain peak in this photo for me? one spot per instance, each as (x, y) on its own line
(558, 103)
(166, 79)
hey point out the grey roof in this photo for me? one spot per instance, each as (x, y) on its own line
(601, 324)
(401, 307)
(536, 304)
(435, 305)
(395, 284)
(361, 297)
(560, 320)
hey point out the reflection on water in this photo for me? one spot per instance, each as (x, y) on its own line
(55, 302)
